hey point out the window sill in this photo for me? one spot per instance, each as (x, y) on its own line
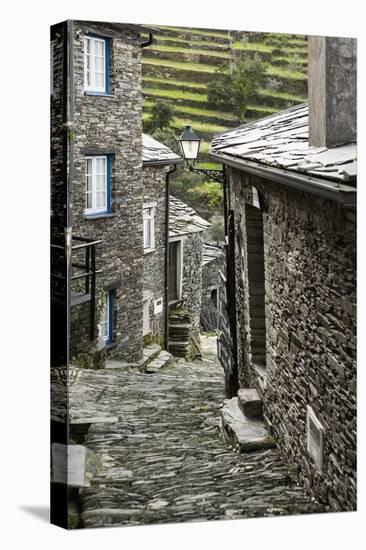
(110, 345)
(149, 250)
(91, 216)
(99, 94)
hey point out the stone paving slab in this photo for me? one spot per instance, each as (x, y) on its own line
(164, 460)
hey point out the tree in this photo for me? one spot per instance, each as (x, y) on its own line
(161, 116)
(216, 231)
(231, 91)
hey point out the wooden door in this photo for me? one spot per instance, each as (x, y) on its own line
(173, 271)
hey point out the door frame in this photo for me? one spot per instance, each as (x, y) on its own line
(180, 241)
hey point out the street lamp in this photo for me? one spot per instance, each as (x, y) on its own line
(190, 146)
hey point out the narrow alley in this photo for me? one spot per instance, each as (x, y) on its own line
(162, 456)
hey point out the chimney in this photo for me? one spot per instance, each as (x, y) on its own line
(332, 91)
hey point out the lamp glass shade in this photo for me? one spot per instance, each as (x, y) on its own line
(190, 144)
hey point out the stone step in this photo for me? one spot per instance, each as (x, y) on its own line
(162, 360)
(150, 352)
(243, 433)
(250, 403)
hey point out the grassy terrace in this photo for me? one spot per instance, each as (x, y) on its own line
(157, 80)
(201, 127)
(252, 46)
(172, 95)
(196, 111)
(175, 91)
(286, 73)
(195, 43)
(176, 49)
(175, 94)
(199, 67)
(203, 68)
(282, 95)
(179, 30)
(184, 83)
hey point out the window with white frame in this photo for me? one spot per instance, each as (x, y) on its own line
(96, 185)
(149, 226)
(95, 64)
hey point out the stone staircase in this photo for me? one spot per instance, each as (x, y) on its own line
(243, 427)
(179, 332)
(153, 359)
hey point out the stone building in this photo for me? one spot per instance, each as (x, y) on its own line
(158, 161)
(211, 262)
(186, 229)
(97, 191)
(291, 201)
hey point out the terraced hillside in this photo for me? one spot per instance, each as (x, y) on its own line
(181, 62)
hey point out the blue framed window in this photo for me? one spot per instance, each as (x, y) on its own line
(97, 185)
(106, 323)
(96, 65)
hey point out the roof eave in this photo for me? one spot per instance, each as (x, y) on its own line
(165, 162)
(337, 192)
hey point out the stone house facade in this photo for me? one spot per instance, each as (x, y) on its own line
(186, 229)
(97, 185)
(292, 199)
(158, 163)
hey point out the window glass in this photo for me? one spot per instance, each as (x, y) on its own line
(96, 184)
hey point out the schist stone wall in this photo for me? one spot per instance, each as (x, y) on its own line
(192, 278)
(210, 289)
(309, 344)
(111, 125)
(154, 261)
(58, 155)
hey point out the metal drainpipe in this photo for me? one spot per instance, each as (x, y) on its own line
(149, 41)
(167, 201)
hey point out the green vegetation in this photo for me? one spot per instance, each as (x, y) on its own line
(175, 94)
(178, 108)
(184, 87)
(177, 49)
(233, 91)
(161, 116)
(285, 73)
(252, 46)
(199, 67)
(180, 30)
(158, 80)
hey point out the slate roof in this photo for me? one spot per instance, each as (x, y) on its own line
(183, 219)
(281, 141)
(210, 253)
(154, 152)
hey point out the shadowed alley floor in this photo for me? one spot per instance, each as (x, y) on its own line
(164, 459)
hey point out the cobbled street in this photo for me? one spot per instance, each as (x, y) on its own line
(165, 460)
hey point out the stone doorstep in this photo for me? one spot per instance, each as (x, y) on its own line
(250, 403)
(244, 433)
(162, 360)
(74, 465)
(150, 352)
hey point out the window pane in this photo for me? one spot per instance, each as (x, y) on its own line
(89, 202)
(99, 64)
(99, 80)
(147, 233)
(100, 165)
(89, 166)
(101, 199)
